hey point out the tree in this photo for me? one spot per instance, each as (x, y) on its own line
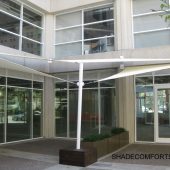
(165, 9)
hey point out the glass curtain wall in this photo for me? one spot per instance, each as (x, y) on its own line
(20, 27)
(145, 106)
(108, 105)
(150, 29)
(37, 109)
(2, 112)
(18, 113)
(98, 103)
(21, 108)
(144, 109)
(61, 109)
(85, 31)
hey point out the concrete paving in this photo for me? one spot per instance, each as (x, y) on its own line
(28, 155)
(14, 163)
(42, 146)
(142, 150)
(33, 156)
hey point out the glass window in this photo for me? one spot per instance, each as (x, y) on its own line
(68, 20)
(61, 85)
(19, 111)
(90, 106)
(95, 15)
(108, 104)
(32, 17)
(73, 100)
(71, 34)
(9, 23)
(37, 85)
(31, 32)
(144, 80)
(61, 113)
(69, 28)
(152, 39)
(100, 45)
(107, 83)
(37, 112)
(9, 40)
(163, 96)
(162, 79)
(98, 30)
(31, 47)
(61, 96)
(90, 84)
(68, 50)
(10, 7)
(90, 116)
(19, 82)
(2, 113)
(2, 80)
(144, 113)
(149, 22)
(73, 86)
(145, 6)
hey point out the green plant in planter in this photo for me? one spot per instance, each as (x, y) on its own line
(115, 131)
(95, 137)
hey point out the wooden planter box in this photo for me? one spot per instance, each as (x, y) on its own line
(113, 143)
(78, 157)
(108, 145)
(123, 139)
(100, 146)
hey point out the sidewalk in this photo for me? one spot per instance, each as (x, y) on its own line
(43, 155)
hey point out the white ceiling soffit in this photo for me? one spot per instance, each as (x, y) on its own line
(130, 71)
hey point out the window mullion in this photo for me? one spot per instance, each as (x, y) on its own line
(82, 32)
(21, 28)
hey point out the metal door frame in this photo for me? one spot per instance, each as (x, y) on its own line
(156, 125)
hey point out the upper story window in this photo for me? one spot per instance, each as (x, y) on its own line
(20, 27)
(149, 28)
(84, 32)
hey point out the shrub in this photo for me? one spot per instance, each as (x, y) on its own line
(95, 137)
(116, 131)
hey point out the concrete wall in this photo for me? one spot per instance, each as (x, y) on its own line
(125, 86)
(126, 105)
(49, 109)
(49, 37)
(58, 5)
(44, 5)
(123, 24)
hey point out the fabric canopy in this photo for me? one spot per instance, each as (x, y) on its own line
(130, 71)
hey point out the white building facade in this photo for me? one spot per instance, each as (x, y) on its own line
(35, 35)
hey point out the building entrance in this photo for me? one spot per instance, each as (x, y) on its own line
(162, 113)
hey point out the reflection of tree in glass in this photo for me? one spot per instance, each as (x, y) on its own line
(165, 8)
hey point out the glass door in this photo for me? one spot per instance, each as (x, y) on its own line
(162, 118)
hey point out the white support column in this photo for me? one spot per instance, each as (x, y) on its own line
(80, 92)
(99, 107)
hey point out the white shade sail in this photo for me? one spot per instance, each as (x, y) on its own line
(130, 71)
(114, 60)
